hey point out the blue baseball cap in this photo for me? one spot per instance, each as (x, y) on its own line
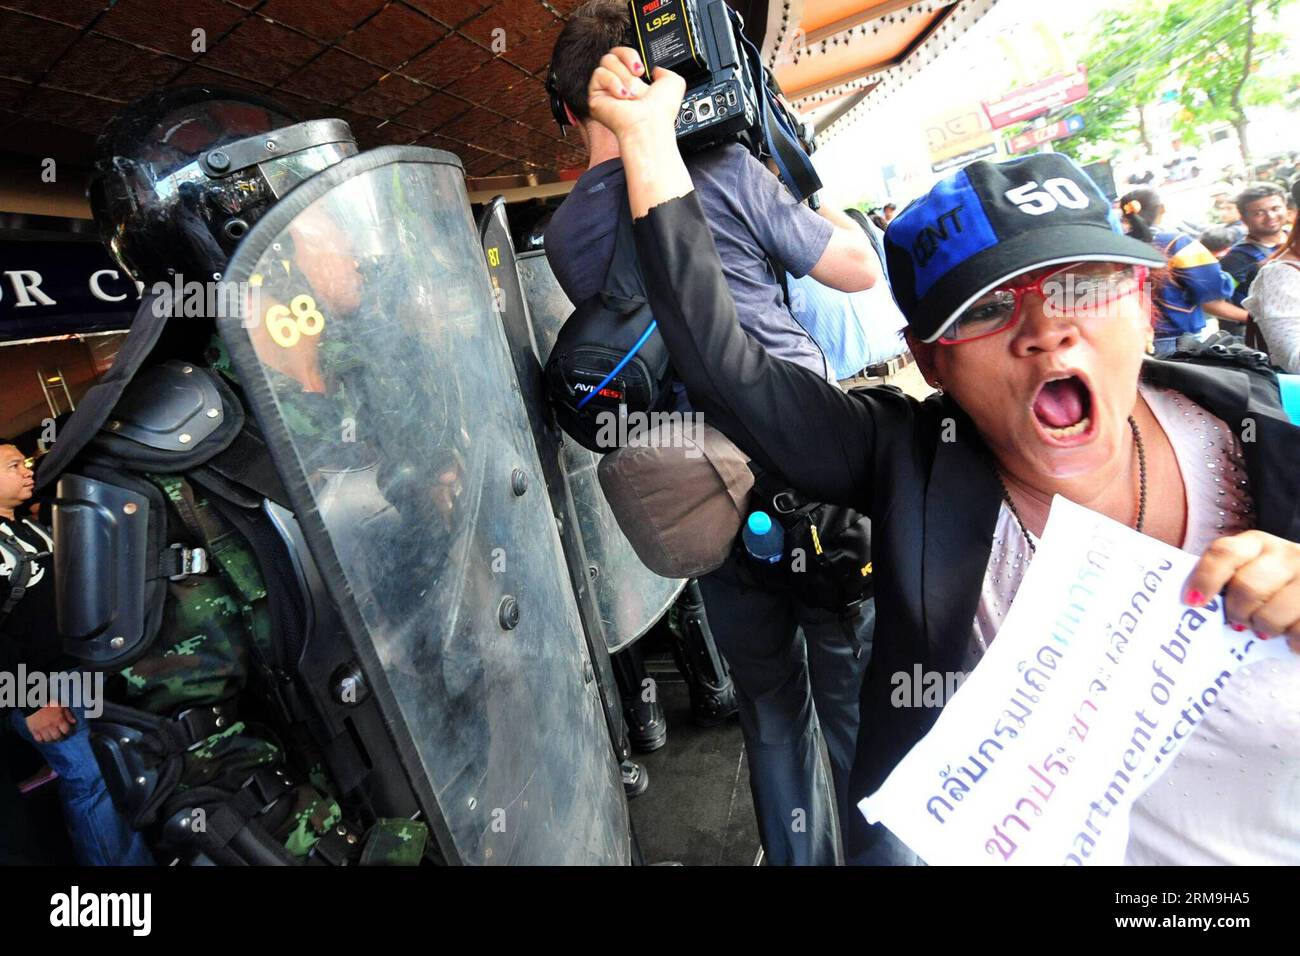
(988, 222)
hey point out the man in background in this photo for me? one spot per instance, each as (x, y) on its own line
(859, 332)
(100, 836)
(1263, 210)
(1218, 240)
(1225, 214)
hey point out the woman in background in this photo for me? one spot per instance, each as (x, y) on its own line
(1195, 284)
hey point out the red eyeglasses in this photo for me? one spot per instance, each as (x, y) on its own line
(1080, 290)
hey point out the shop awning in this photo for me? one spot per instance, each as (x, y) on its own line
(462, 75)
(831, 56)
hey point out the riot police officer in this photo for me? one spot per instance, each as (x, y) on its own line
(195, 644)
(298, 513)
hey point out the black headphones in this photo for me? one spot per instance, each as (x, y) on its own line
(557, 101)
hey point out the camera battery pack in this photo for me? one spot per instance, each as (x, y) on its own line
(668, 35)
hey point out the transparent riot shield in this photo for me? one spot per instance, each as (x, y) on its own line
(631, 596)
(498, 251)
(369, 351)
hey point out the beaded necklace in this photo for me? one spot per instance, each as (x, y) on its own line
(1142, 489)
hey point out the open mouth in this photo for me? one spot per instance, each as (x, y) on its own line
(1063, 409)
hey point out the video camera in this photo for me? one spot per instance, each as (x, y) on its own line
(729, 93)
(694, 39)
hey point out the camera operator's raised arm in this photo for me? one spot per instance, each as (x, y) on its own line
(849, 262)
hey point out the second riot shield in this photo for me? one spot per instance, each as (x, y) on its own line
(370, 353)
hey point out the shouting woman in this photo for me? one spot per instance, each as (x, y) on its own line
(1039, 396)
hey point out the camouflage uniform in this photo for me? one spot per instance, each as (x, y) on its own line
(215, 644)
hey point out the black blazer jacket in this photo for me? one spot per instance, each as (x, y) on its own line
(919, 469)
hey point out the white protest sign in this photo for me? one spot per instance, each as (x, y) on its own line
(1096, 678)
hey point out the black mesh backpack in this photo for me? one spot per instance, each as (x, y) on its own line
(609, 353)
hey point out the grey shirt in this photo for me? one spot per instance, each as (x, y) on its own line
(753, 217)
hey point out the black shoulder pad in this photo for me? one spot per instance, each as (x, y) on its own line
(172, 417)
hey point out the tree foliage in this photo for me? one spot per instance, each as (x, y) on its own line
(1124, 75)
(1218, 66)
(1206, 53)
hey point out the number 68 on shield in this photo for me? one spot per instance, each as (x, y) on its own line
(287, 324)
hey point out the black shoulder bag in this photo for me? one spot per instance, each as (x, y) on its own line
(826, 558)
(609, 358)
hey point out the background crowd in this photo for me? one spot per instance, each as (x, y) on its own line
(1240, 276)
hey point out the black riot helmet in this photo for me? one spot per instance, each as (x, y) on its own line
(182, 174)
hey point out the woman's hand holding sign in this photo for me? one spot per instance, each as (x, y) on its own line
(1259, 576)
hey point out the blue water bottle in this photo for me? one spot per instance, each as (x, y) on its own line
(763, 538)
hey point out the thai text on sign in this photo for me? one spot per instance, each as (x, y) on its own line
(1097, 677)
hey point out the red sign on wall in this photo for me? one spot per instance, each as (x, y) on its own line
(1037, 137)
(1029, 102)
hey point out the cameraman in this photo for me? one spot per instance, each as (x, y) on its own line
(756, 223)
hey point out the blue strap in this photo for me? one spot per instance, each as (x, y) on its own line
(795, 168)
(1289, 385)
(649, 330)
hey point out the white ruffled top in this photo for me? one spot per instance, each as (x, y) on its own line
(1274, 304)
